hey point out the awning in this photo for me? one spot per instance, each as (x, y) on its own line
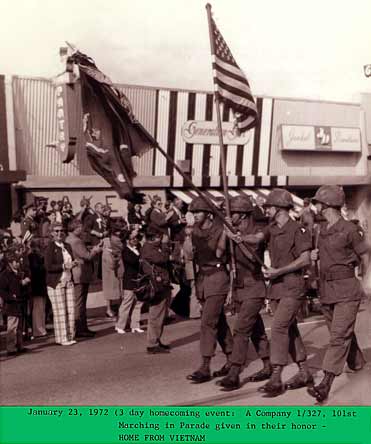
(188, 195)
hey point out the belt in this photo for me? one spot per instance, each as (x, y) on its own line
(211, 268)
(337, 275)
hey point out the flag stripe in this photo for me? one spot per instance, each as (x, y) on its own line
(231, 79)
(240, 97)
(228, 68)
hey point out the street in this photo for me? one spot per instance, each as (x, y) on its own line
(113, 369)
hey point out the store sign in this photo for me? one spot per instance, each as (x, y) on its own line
(320, 138)
(66, 121)
(206, 132)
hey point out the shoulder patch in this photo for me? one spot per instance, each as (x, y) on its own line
(303, 230)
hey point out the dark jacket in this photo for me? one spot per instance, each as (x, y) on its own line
(158, 258)
(12, 293)
(38, 274)
(131, 268)
(54, 263)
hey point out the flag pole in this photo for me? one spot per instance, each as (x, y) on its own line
(244, 247)
(222, 148)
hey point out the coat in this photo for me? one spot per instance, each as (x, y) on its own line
(54, 263)
(131, 268)
(83, 272)
(112, 271)
(12, 293)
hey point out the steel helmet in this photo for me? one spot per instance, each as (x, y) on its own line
(330, 195)
(198, 204)
(241, 204)
(279, 197)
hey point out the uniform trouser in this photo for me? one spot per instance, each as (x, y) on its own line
(285, 337)
(14, 340)
(63, 303)
(156, 319)
(214, 327)
(38, 315)
(249, 325)
(340, 319)
(129, 305)
(81, 297)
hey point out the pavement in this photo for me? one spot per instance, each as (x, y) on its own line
(113, 369)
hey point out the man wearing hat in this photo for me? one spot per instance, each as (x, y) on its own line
(11, 284)
(29, 226)
(289, 245)
(212, 286)
(249, 295)
(341, 248)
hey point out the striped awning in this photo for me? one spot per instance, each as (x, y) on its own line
(215, 195)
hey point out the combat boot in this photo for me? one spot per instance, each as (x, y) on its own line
(303, 377)
(322, 390)
(224, 370)
(263, 374)
(274, 386)
(203, 374)
(232, 380)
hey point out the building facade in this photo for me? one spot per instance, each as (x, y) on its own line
(298, 144)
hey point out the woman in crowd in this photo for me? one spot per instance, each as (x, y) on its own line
(112, 267)
(129, 304)
(58, 264)
(135, 216)
(157, 219)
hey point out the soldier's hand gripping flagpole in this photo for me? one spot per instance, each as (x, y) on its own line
(222, 154)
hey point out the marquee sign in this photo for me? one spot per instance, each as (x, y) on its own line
(206, 132)
(67, 120)
(320, 138)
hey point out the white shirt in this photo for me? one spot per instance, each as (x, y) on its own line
(67, 258)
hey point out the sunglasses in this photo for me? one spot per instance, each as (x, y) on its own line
(58, 231)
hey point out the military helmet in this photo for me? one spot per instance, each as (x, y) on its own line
(241, 204)
(198, 204)
(279, 197)
(330, 195)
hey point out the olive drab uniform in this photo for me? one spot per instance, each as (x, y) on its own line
(212, 286)
(340, 248)
(249, 295)
(286, 292)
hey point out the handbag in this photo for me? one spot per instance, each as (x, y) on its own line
(148, 283)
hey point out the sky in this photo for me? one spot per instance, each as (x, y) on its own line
(311, 49)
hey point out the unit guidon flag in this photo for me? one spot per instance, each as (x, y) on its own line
(113, 133)
(231, 84)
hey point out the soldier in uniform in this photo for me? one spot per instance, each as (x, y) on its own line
(249, 295)
(289, 245)
(212, 286)
(340, 249)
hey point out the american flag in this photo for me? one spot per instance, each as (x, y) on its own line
(231, 84)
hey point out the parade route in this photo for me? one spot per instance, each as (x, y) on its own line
(114, 369)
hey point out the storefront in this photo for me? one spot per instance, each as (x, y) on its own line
(298, 144)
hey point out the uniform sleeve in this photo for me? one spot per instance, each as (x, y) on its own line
(303, 241)
(358, 242)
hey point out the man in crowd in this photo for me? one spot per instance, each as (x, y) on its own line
(82, 276)
(340, 249)
(11, 291)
